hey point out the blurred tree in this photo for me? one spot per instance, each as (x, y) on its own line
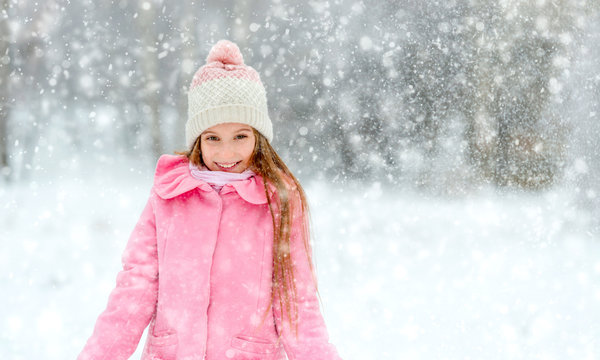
(5, 70)
(431, 64)
(583, 112)
(28, 78)
(188, 49)
(513, 139)
(240, 21)
(150, 84)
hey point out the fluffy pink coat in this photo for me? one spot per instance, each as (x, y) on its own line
(198, 269)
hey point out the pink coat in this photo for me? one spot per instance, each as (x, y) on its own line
(198, 268)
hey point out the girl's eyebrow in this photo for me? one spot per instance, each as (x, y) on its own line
(210, 132)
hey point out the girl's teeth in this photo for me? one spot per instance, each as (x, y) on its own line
(227, 166)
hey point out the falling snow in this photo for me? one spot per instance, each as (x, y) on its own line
(449, 151)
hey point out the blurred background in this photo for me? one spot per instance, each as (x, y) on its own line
(450, 151)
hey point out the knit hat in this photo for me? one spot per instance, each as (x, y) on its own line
(225, 90)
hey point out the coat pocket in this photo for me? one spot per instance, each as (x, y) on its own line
(162, 347)
(248, 347)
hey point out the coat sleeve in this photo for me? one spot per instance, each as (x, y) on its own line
(312, 340)
(131, 303)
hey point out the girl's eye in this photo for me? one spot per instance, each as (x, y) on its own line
(241, 136)
(211, 138)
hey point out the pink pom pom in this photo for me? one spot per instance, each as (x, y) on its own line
(225, 52)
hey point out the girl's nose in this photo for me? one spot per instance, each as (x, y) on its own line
(227, 151)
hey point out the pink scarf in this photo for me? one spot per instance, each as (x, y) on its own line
(218, 179)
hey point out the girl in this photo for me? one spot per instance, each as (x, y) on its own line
(219, 263)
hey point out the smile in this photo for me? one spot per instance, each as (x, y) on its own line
(228, 165)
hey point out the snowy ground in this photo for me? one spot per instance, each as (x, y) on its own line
(402, 276)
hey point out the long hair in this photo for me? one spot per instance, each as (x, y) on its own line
(289, 193)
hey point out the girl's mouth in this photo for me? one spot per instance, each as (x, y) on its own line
(227, 166)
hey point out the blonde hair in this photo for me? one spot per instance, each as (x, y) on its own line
(289, 193)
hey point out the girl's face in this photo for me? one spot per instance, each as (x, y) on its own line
(227, 147)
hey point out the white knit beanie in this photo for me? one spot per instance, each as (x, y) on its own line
(226, 91)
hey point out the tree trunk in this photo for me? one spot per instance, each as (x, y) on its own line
(5, 66)
(150, 85)
(189, 66)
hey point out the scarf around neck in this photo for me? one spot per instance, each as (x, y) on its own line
(218, 179)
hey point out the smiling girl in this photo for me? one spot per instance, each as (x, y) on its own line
(227, 147)
(219, 263)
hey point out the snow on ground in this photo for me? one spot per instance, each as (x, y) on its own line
(402, 275)
(486, 277)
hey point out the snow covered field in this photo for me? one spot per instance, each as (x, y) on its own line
(402, 275)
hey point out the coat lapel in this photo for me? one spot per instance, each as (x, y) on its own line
(173, 178)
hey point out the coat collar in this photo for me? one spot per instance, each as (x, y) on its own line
(173, 178)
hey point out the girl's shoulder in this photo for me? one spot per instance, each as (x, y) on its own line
(172, 176)
(167, 163)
